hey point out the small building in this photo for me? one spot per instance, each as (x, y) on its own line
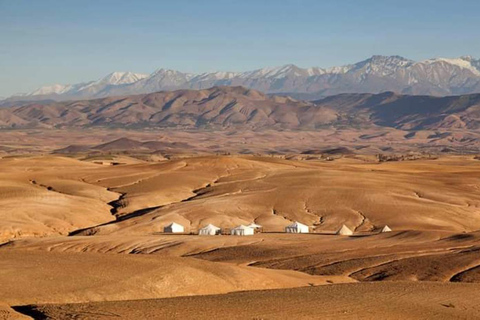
(254, 226)
(174, 228)
(297, 227)
(386, 229)
(344, 231)
(242, 231)
(209, 230)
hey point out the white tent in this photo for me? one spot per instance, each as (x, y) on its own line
(297, 227)
(209, 230)
(174, 228)
(253, 225)
(344, 231)
(386, 229)
(242, 231)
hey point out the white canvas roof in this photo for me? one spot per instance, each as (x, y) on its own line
(242, 231)
(297, 224)
(209, 230)
(174, 224)
(241, 227)
(174, 228)
(254, 225)
(344, 231)
(210, 227)
(297, 227)
(386, 229)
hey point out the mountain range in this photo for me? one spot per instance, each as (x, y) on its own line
(437, 77)
(226, 107)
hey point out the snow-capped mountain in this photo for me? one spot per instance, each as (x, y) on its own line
(85, 89)
(54, 89)
(439, 76)
(117, 78)
(285, 71)
(161, 79)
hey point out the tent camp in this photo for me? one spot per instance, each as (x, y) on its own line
(174, 228)
(242, 231)
(253, 225)
(297, 227)
(386, 229)
(209, 230)
(344, 231)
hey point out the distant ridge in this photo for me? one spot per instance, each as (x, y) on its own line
(123, 144)
(221, 108)
(438, 77)
(130, 144)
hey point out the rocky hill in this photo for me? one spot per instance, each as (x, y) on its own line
(222, 108)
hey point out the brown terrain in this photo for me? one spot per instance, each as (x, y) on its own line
(239, 107)
(342, 301)
(83, 206)
(245, 121)
(77, 233)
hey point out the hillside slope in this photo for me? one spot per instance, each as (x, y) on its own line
(220, 108)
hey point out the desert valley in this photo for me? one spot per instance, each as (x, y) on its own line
(239, 160)
(85, 203)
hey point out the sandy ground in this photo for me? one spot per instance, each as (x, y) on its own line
(116, 250)
(7, 313)
(80, 277)
(342, 301)
(395, 256)
(48, 195)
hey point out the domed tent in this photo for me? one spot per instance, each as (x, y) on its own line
(297, 227)
(242, 231)
(344, 231)
(209, 230)
(386, 229)
(174, 228)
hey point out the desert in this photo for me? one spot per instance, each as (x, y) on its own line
(250, 159)
(247, 205)
(88, 236)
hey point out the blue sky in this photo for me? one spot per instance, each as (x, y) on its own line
(46, 42)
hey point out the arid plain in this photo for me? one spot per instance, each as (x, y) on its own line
(82, 238)
(255, 160)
